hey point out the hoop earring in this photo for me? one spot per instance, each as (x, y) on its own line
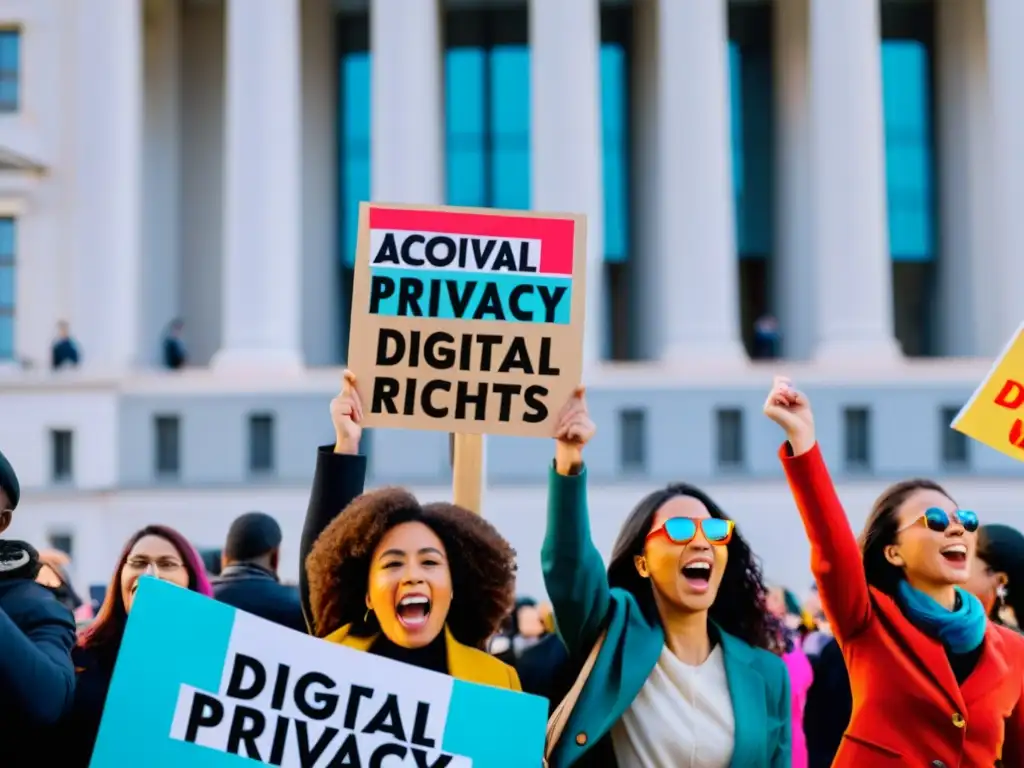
(366, 616)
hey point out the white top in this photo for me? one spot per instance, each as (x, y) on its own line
(682, 717)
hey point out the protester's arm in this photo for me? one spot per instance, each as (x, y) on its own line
(573, 569)
(36, 672)
(835, 556)
(339, 478)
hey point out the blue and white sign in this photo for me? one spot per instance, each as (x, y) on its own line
(203, 685)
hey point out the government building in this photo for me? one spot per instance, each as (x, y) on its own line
(828, 188)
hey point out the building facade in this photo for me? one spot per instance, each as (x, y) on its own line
(853, 169)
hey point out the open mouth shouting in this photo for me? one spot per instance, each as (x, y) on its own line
(697, 573)
(413, 610)
(955, 554)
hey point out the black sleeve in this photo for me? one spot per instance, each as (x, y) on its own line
(36, 673)
(339, 479)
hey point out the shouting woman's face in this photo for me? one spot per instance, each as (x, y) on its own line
(410, 585)
(151, 556)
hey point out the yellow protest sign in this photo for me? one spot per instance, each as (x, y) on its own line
(994, 413)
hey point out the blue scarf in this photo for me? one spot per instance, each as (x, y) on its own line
(961, 630)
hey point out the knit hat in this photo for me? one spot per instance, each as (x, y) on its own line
(252, 535)
(9, 482)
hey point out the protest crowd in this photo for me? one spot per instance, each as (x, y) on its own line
(906, 650)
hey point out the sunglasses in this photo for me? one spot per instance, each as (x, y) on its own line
(683, 530)
(939, 520)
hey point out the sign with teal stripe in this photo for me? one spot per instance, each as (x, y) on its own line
(203, 685)
(467, 320)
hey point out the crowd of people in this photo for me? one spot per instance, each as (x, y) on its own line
(676, 655)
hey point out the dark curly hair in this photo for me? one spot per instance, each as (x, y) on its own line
(482, 564)
(739, 607)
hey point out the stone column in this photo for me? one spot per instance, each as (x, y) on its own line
(968, 319)
(850, 236)
(261, 324)
(566, 151)
(1001, 276)
(407, 157)
(793, 260)
(108, 248)
(697, 296)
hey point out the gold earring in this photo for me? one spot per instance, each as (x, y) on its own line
(366, 616)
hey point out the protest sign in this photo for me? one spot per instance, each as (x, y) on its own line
(467, 320)
(994, 413)
(201, 684)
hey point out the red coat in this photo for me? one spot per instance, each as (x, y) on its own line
(908, 709)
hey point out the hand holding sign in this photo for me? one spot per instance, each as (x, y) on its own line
(573, 431)
(791, 410)
(347, 416)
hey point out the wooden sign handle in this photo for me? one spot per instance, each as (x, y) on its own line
(468, 471)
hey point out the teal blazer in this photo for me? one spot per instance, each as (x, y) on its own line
(577, 586)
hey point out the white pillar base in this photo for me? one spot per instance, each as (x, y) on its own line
(837, 351)
(233, 359)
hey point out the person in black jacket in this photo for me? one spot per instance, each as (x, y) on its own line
(248, 579)
(37, 633)
(829, 707)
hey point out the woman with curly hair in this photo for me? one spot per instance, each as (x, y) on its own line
(424, 584)
(685, 674)
(934, 682)
(157, 551)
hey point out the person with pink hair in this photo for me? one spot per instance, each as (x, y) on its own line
(156, 551)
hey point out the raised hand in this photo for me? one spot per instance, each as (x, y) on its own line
(573, 430)
(347, 416)
(791, 410)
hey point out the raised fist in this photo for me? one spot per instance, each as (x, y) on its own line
(347, 416)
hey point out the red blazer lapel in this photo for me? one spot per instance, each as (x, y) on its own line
(929, 653)
(992, 667)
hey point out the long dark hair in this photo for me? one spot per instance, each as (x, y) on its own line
(739, 608)
(881, 528)
(1001, 548)
(104, 635)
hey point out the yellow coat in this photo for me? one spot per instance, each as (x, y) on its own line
(464, 663)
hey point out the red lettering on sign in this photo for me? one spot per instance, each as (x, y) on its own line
(1011, 395)
(1017, 434)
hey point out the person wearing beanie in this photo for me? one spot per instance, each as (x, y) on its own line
(37, 633)
(997, 574)
(248, 579)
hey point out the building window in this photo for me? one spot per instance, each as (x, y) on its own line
(261, 443)
(633, 440)
(487, 108)
(62, 468)
(167, 449)
(10, 70)
(857, 432)
(353, 35)
(729, 434)
(955, 445)
(752, 115)
(908, 105)
(8, 287)
(62, 542)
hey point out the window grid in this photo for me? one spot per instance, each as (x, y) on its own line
(167, 435)
(955, 445)
(633, 439)
(62, 468)
(857, 437)
(729, 434)
(261, 443)
(10, 70)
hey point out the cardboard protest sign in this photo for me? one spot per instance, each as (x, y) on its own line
(467, 320)
(994, 413)
(200, 684)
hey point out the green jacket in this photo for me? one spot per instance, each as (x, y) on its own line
(577, 585)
